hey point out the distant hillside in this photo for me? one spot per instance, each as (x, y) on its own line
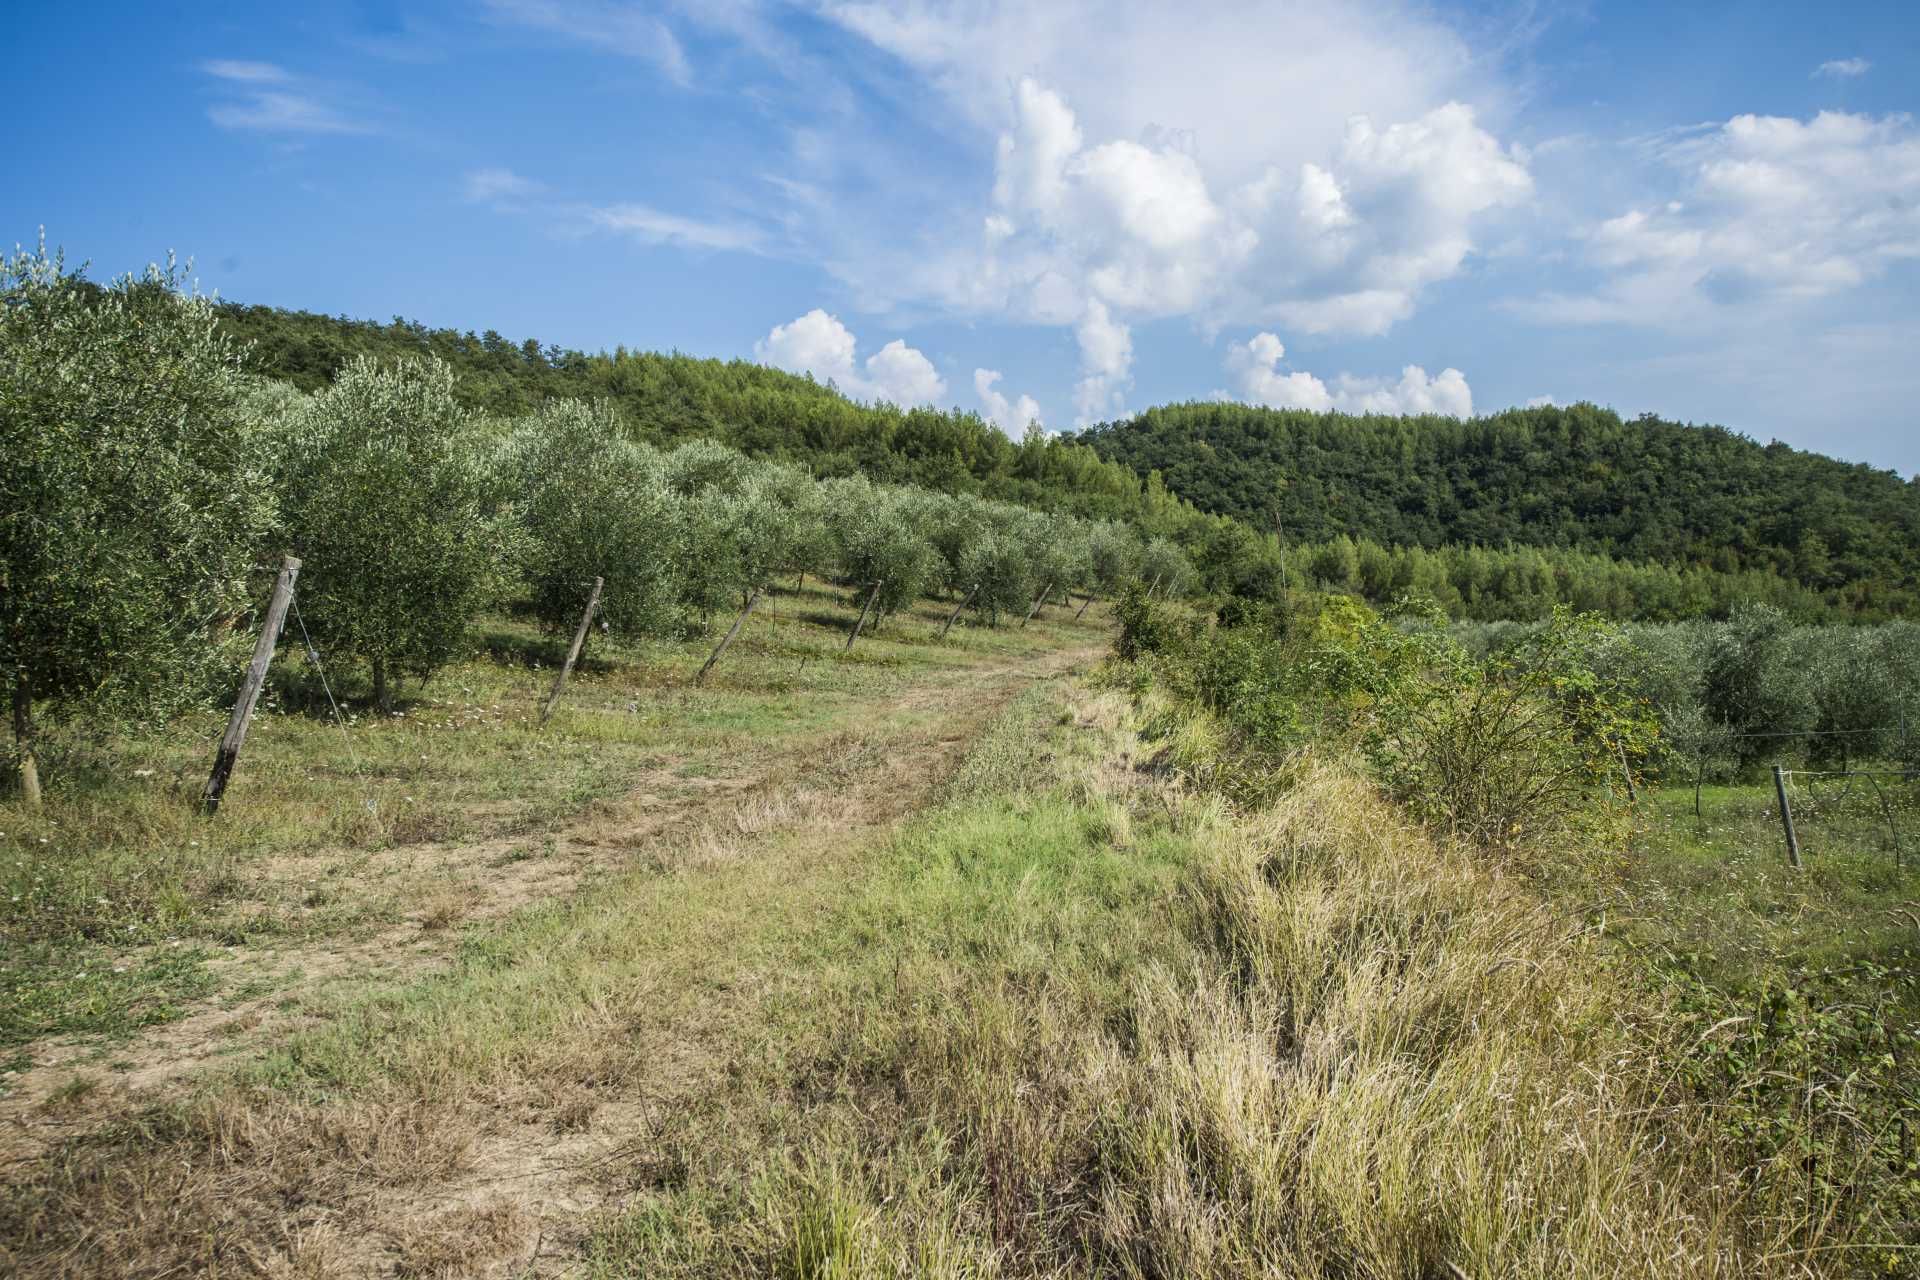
(1638, 520)
(1576, 477)
(761, 411)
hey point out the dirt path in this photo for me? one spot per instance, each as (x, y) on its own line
(523, 1176)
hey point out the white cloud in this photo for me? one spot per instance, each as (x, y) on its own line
(651, 226)
(244, 72)
(617, 28)
(1843, 68)
(817, 343)
(1774, 210)
(1106, 360)
(1011, 416)
(499, 187)
(264, 98)
(1256, 363)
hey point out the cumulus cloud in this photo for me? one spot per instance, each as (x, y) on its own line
(1773, 209)
(1843, 68)
(1011, 416)
(1256, 364)
(817, 343)
(1099, 234)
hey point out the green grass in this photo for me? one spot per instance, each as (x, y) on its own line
(1794, 994)
(120, 862)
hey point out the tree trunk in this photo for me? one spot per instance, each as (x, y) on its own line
(382, 695)
(24, 761)
(1083, 608)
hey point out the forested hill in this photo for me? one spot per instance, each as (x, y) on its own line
(764, 412)
(1576, 477)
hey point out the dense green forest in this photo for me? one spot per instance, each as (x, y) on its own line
(1577, 477)
(1498, 517)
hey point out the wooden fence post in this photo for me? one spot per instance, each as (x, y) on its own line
(1083, 608)
(864, 610)
(1038, 601)
(726, 640)
(1786, 816)
(236, 735)
(948, 624)
(573, 651)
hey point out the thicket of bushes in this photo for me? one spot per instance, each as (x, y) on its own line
(151, 486)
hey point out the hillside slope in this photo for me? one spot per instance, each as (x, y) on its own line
(669, 397)
(1576, 477)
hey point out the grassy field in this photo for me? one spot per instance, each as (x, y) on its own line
(922, 962)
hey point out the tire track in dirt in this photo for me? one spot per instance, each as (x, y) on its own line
(519, 1178)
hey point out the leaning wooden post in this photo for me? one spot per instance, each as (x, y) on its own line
(1038, 601)
(1786, 816)
(1153, 586)
(727, 639)
(573, 651)
(1083, 608)
(1626, 771)
(256, 677)
(864, 610)
(945, 627)
(1699, 776)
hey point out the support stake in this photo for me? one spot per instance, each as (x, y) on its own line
(1083, 608)
(864, 610)
(1038, 601)
(727, 639)
(1786, 816)
(573, 652)
(236, 735)
(946, 626)
(1626, 771)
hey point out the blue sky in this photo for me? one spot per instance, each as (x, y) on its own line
(1068, 211)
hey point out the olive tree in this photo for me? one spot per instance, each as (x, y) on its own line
(388, 498)
(595, 504)
(132, 497)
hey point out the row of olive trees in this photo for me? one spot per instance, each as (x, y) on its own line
(1758, 687)
(149, 484)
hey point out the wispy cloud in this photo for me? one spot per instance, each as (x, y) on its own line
(618, 28)
(652, 226)
(265, 98)
(245, 72)
(1843, 68)
(500, 187)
